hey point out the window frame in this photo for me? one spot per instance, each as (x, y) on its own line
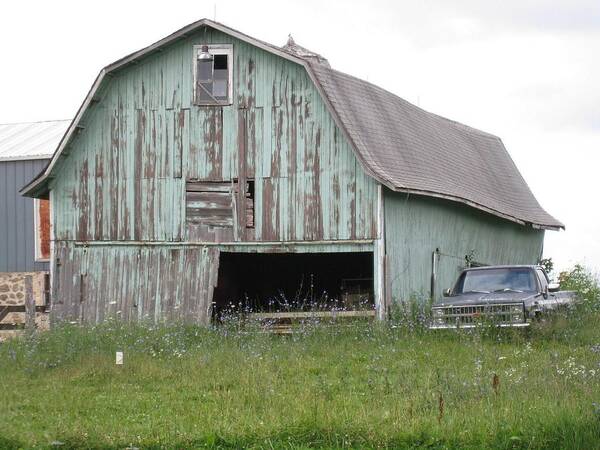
(542, 279)
(37, 243)
(214, 49)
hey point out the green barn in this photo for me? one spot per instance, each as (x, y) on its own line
(212, 170)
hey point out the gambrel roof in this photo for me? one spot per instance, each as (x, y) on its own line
(401, 145)
(412, 150)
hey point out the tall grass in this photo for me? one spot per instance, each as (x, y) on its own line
(393, 385)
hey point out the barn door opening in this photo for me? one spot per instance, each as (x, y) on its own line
(293, 282)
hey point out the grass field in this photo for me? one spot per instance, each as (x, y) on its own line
(360, 386)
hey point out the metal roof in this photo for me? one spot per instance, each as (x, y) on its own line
(399, 144)
(31, 140)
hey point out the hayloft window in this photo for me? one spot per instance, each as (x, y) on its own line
(209, 203)
(213, 74)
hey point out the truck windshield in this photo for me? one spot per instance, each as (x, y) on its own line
(496, 280)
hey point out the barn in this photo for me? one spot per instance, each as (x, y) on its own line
(25, 149)
(212, 170)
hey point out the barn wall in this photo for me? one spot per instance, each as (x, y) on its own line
(126, 171)
(17, 245)
(416, 226)
(133, 283)
(156, 282)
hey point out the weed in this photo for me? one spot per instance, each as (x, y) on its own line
(363, 385)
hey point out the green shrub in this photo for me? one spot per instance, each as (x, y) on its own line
(584, 282)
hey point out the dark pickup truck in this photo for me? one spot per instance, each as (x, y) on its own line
(506, 296)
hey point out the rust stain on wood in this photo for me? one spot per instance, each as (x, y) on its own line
(240, 187)
(99, 198)
(113, 176)
(83, 203)
(213, 142)
(180, 130)
(122, 186)
(137, 180)
(43, 221)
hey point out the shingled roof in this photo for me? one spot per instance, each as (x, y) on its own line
(401, 145)
(412, 150)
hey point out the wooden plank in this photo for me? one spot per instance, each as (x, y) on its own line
(208, 209)
(219, 198)
(312, 314)
(209, 203)
(214, 221)
(208, 214)
(208, 186)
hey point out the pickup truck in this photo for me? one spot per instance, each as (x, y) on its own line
(505, 296)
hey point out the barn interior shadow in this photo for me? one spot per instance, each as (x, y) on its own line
(273, 282)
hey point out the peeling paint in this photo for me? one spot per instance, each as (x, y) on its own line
(128, 174)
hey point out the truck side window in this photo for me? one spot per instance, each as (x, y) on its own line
(543, 280)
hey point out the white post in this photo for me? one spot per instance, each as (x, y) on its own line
(379, 255)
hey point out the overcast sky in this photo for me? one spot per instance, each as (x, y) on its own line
(525, 70)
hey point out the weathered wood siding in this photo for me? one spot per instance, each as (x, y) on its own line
(131, 283)
(143, 142)
(416, 226)
(125, 176)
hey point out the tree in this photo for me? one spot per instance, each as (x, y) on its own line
(547, 264)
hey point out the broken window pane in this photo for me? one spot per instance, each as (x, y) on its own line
(220, 62)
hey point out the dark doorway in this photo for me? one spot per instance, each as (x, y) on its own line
(275, 282)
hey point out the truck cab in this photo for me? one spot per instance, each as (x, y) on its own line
(505, 296)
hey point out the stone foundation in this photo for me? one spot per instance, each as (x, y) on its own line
(22, 303)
